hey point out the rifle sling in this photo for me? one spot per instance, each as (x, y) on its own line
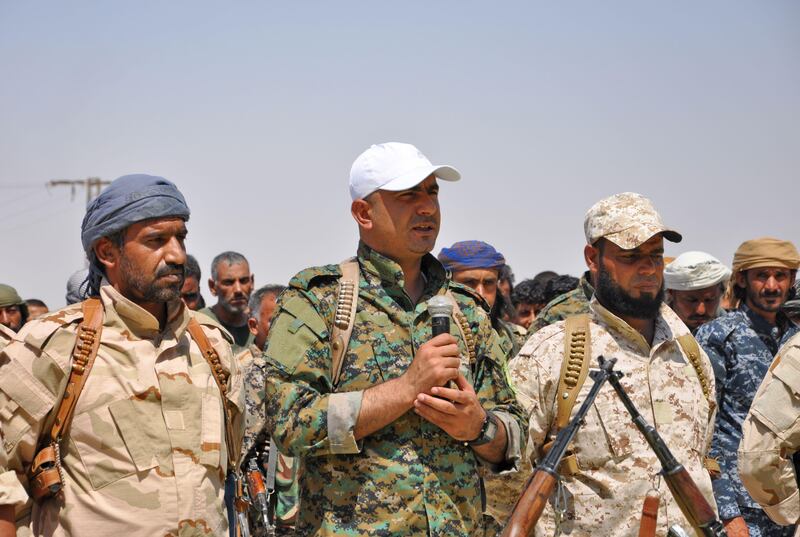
(84, 352)
(221, 378)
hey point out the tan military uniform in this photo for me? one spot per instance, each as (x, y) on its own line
(6, 336)
(617, 466)
(146, 451)
(771, 434)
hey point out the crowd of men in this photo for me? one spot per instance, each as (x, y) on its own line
(339, 404)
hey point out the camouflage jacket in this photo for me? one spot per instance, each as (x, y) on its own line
(771, 434)
(561, 307)
(145, 453)
(256, 440)
(6, 336)
(512, 338)
(741, 345)
(410, 477)
(617, 466)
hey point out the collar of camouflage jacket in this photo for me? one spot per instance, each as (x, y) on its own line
(663, 329)
(390, 276)
(585, 284)
(122, 313)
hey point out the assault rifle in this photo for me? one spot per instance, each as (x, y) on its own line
(261, 488)
(689, 498)
(540, 485)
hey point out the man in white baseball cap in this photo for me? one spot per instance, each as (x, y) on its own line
(393, 166)
(695, 283)
(390, 433)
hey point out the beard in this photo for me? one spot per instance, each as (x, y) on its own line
(617, 300)
(151, 289)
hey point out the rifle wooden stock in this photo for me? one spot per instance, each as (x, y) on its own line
(531, 504)
(693, 504)
(691, 501)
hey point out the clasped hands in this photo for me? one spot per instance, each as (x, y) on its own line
(456, 411)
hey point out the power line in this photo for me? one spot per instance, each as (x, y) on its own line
(92, 186)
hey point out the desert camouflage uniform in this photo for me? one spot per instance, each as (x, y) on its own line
(771, 435)
(617, 466)
(561, 307)
(501, 488)
(256, 437)
(145, 453)
(6, 336)
(410, 477)
(741, 345)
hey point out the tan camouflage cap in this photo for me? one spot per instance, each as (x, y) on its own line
(627, 219)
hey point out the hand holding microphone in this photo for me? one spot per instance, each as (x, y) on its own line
(441, 309)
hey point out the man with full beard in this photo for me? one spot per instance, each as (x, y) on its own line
(610, 469)
(741, 345)
(149, 441)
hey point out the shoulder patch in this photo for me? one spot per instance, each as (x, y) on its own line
(205, 320)
(304, 314)
(305, 278)
(37, 332)
(470, 292)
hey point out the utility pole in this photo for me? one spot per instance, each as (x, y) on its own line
(92, 185)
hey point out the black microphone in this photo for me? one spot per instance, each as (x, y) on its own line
(440, 309)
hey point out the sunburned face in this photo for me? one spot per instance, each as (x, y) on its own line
(629, 282)
(484, 281)
(697, 307)
(401, 225)
(233, 286)
(190, 293)
(526, 313)
(11, 316)
(767, 288)
(148, 267)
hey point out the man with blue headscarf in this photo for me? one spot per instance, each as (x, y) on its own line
(477, 265)
(145, 451)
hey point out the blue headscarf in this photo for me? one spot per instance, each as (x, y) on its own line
(127, 200)
(468, 255)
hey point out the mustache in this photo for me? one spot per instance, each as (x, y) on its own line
(771, 294)
(424, 220)
(169, 269)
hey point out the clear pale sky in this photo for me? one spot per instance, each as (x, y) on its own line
(257, 110)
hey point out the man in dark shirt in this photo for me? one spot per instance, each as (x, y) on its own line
(231, 282)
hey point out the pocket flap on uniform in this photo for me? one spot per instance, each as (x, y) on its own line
(28, 392)
(788, 370)
(143, 430)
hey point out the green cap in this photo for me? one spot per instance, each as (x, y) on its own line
(9, 296)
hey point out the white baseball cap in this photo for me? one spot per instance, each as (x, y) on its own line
(393, 166)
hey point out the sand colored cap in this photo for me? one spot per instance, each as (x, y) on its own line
(766, 252)
(394, 166)
(627, 219)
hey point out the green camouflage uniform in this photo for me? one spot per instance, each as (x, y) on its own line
(573, 303)
(252, 363)
(410, 477)
(145, 453)
(502, 489)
